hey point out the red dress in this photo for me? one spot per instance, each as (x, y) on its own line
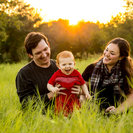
(66, 103)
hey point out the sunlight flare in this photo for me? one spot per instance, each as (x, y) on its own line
(74, 11)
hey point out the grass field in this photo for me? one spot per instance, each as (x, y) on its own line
(86, 120)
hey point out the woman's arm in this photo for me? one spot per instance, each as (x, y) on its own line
(122, 107)
(126, 104)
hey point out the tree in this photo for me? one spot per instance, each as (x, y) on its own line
(129, 9)
(17, 19)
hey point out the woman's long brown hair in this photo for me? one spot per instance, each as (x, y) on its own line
(126, 62)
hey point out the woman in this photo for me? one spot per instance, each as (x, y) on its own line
(109, 76)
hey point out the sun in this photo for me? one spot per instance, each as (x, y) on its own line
(78, 10)
(73, 21)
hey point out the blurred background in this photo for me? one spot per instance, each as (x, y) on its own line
(83, 27)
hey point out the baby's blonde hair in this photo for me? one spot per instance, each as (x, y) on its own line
(64, 54)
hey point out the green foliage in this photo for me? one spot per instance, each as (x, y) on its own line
(88, 37)
(81, 39)
(16, 20)
(129, 9)
(121, 25)
(86, 120)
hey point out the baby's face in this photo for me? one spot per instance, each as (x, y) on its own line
(66, 65)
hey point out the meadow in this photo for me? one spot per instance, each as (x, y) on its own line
(86, 120)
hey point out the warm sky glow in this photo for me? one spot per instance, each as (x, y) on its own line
(76, 10)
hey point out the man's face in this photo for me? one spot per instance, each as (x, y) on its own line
(66, 65)
(41, 54)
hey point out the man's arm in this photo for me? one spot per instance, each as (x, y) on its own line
(25, 87)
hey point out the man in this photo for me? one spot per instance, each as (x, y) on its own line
(32, 78)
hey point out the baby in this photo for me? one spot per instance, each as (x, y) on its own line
(67, 77)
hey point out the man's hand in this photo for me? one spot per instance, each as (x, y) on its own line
(60, 88)
(76, 90)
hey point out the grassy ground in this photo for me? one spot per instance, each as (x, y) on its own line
(86, 120)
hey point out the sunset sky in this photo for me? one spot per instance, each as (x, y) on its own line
(77, 10)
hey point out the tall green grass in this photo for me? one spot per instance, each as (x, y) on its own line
(86, 120)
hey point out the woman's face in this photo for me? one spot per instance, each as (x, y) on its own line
(111, 55)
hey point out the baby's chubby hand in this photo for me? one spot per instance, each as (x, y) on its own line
(88, 96)
(55, 90)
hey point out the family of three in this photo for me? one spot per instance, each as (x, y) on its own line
(110, 77)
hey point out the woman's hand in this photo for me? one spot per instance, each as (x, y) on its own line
(111, 110)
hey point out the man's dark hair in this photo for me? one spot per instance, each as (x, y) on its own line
(32, 40)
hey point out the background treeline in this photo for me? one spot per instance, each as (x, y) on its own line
(17, 19)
